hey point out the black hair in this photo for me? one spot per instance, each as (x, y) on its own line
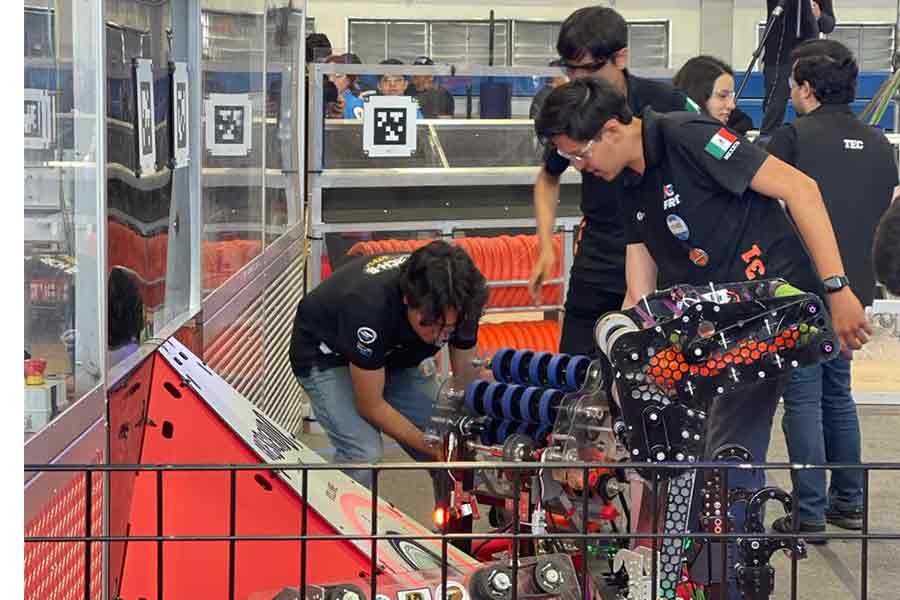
(697, 77)
(829, 67)
(441, 276)
(317, 46)
(595, 29)
(391, 61)
(578, 109)
(125, 309)
(886, 249)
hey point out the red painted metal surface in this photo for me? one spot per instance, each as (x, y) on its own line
(182, 429)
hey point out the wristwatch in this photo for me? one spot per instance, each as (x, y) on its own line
(835, 283)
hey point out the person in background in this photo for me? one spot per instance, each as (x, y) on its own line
(593, 43)
(802, 20)
(348, 105)
(359, 339)
(710, 83)
(855, 169)
(318, 46)
(394, 85)
(435, 100)
(886, 249)
(549, 85)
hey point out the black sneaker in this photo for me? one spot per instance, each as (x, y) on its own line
(784, 525)
(845, 519)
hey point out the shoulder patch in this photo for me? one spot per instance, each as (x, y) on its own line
(722, 145)
(690, 105)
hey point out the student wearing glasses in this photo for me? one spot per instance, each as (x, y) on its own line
(361, 335)
(709, 82)
(394, 85)
(593, 43)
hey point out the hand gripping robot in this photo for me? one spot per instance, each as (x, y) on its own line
(644, 400)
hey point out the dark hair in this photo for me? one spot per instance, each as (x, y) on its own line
(578, 109)
(125, 309)
(697, 77)
(886, 249)
(830, 69)
(391, 61)
(441, 276)
(317, 46)
(347, 59)
(595, 29)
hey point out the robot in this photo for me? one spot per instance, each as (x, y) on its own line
(642, 401)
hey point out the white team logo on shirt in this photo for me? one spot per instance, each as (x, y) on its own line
(366, 335)
(384, 263)
(853, 145)
(639, 216)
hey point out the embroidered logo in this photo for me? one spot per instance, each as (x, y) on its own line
(671, 199)
(366, 335)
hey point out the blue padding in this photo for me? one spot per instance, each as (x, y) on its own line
(525, 404)
(472, 394)
(516, 363)
(572, 371)
(489, 397)
(552, 368)
(507, 400)
(546, 401)
(534, 375)
(497, 362)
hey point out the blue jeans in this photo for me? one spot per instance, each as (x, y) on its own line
(821, 426)
(355, 440)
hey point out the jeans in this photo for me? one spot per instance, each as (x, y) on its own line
(821, 426)
(355, 440)
(745, 418)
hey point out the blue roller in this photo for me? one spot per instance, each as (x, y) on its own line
(552, 369)
(534, 373)
(504, 432)
(497, 363)
(517, 359)
(507, 401)
(490, 404)
(525, 404)
(544, 406)
(473, 393)
(572, 369)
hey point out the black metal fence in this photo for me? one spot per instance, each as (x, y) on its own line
(515, 533)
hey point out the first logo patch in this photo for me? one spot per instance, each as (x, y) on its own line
(366, 335)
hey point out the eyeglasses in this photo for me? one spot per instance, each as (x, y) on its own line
(725, 94)
(582, 155)
(591, 66)
(389, 80)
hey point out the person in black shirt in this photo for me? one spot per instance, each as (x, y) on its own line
(802, 20)
(886, 249)
(709, 82)
(855, 169)
(435, 100)
(700, 212)
(360, 336)
(593, 43)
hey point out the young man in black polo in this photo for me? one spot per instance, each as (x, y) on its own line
(701, 211)
(593, 42)
(855, 169)
(361, 335)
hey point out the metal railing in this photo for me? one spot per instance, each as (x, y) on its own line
(516, 533)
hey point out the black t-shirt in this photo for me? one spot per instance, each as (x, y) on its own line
(855, 169)
(358, 316)
(600, 260)
(696, 213)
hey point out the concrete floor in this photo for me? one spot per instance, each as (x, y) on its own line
(831, 572)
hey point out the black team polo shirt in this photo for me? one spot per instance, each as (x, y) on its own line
(600, 260)
(694, 210)
(357, 316)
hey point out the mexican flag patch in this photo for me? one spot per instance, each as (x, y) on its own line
(691, 106)
(722, 145)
